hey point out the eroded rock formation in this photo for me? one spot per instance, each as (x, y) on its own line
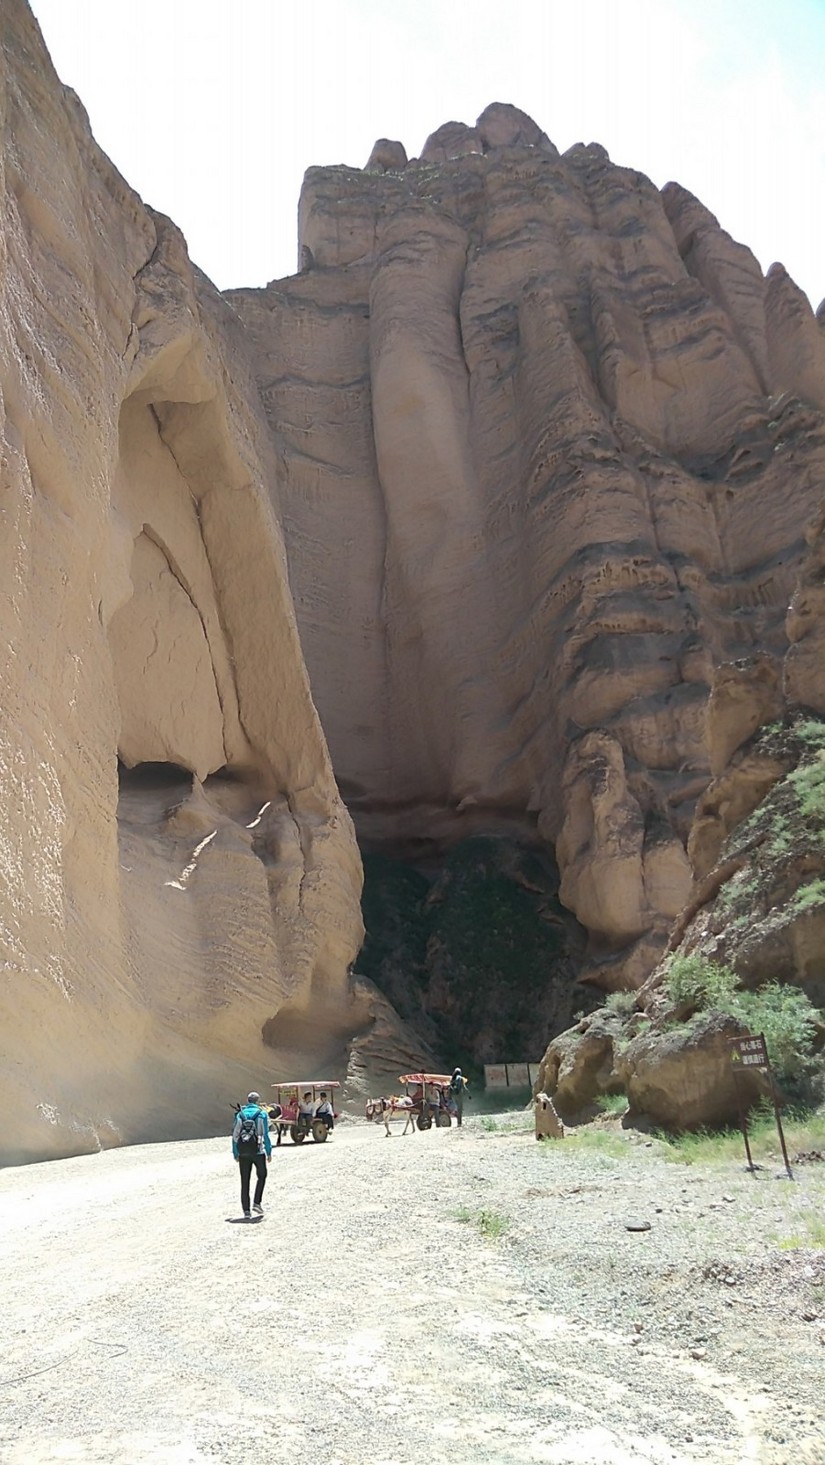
(549, 446)
(543, 443)
(168, 942)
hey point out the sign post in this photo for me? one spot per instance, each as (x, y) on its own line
(751, 1051)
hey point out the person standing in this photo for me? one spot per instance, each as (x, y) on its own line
(458, 1089)
(251, 1146)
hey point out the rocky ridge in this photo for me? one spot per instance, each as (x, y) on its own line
(549, 444)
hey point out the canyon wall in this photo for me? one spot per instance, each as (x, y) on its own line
(180, 881)
(529, 448)
(547, 444)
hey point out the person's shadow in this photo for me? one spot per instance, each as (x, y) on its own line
(243, 1220)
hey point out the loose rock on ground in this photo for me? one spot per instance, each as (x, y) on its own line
(458, 1296)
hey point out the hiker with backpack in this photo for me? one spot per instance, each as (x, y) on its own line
(251, 1145)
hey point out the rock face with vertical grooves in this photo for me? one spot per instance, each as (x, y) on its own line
(542, 444)
(169, 942)
(549, 443)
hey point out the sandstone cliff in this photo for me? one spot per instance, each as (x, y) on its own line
(180, 882)
(548, 447)
(543, 446)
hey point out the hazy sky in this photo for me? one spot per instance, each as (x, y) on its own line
(213, 110)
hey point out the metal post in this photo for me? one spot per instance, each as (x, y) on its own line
(743, 1119)
(781, 1131)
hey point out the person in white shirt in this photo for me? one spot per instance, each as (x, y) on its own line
(306, 1108)
(325, 1111)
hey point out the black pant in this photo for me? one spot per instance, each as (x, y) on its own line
(245, 1163)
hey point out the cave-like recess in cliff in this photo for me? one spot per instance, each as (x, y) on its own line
(475, 946)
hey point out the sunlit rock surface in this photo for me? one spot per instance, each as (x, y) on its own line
(549, 445)
(175, 935)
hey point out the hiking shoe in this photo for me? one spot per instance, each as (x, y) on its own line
(247, 1215)
(258, 1208)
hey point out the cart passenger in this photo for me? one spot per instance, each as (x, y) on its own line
(306, 1107)
(325, 1111)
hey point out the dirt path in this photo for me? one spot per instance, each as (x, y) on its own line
(374, 1317)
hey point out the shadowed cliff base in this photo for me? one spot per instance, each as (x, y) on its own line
(474, 947)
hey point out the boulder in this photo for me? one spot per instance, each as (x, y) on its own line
(682, 1078)
(580, 1063)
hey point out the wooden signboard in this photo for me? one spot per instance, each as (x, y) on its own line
(751, 1052)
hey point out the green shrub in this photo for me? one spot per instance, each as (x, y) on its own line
(811, 731)
(788, 1020)
(807, 897)
(701, 982)
(621, 1002)
(808, 783)
(612, 1103)
(780, 1011)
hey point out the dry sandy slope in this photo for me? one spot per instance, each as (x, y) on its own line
(142, 1325)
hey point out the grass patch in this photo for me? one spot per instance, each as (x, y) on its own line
(491, 1224)
(612, 1103)
(708, 1147)
(813, 1235)
(804, 1131)
(600, 1141)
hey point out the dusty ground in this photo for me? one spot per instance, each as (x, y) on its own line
(372, 1318)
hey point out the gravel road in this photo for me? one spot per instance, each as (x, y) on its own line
(454, 1298)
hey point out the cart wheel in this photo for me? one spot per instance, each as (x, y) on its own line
(320, 1131)
(442, 1119)
(297, 1134)
(424, 1121)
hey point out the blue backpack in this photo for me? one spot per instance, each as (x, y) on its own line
(250, 1133)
